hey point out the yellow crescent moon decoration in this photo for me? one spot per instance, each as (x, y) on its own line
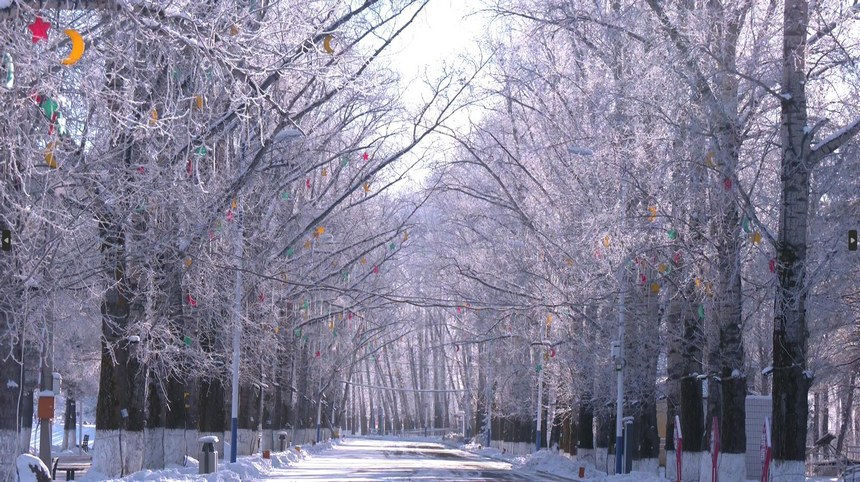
(78, 47)
(327, 44)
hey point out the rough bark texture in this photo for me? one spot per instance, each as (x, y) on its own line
(790, 333)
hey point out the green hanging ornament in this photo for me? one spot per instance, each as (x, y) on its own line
(344, 161)
(187, 340)
(538, 368)
(201, 151)
(9, 66)
(285, 196)
(746, 224)
(297, 332)
(306, 338)
(672, 233)
(392, 246)
(345, 275)
(307, 304)
(176, 74)
(49, 107)
(701, 312)
(291, 252)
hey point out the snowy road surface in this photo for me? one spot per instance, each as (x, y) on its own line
(370, 459)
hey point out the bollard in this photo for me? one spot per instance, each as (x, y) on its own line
(282, 440)
(208, 456)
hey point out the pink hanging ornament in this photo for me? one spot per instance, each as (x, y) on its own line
(376, 269)
(317, 354)
(191, 301)
(772, 265)
(727, 183)
(261, 297)
(365, 156)
(189, 167)
(230, 215)
(141, 170)
(677, 257)
(308, 182)
(643, 279)
(552, 352)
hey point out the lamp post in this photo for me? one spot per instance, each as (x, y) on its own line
(282, 138)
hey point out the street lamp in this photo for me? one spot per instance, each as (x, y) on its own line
(280, 140)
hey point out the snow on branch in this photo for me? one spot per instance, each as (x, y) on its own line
(835, 140)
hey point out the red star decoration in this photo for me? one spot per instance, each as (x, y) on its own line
(365, 156)
(39, 28)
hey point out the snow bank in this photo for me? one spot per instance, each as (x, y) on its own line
(253, 467)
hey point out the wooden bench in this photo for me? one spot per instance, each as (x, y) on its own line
(71, 464)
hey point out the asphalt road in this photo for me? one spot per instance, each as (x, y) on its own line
(375, 459)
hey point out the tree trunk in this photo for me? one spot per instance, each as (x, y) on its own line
(790, 380)
(847, 405)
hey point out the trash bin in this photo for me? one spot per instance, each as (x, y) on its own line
(208, 455)
(282, 441)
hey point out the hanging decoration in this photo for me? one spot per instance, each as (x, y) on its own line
(78, 47)
(317, 354)
(546, 356)
(297, 332)
(319, 231)
(327, 44)
(662, 267)
(141, 170)
(459, 310)
(290, 252)
(191, 301)
(308, 183)
(324, 172)
(188, 262)
(229, 216)
(392, 246)
(234, 204)
(655, 288)
(552, 352)
(8, 71)
(756, 237)
(187, 340)
(653, 216)
(344, 161)
(51, 111)
(405, 235)
(277, 329)
(308, 244)
(189, 167)
(50, 160)
(201, 151)
(606, 241)
(677, 258)
(285, 196)
(672, 233)
(709, 159)
(367, 187)
(198, 101)
(376, 269)
(701, 312)
(234, 30)
(727, 184)
(772, 265)
(261, 297)
(363, 260)
(569, 262)
(745, 223)
(39, 28)
(365, 156)
(538, 368)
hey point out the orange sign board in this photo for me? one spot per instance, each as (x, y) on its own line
(46, 408)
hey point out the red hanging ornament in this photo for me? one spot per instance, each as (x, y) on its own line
(772, 265)
(349, 316)
(141, 169)
(727, 183)
(261, 297)
(317, 354)
(189, 167)
(308, 182)
(230, 215)
(191, 301)
(365, 156)
(677, 257)
(643, 279)
(39, 29)
(459, 309)
(552, 352)
(376, 269)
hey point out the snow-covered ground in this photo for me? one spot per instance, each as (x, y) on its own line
(57, 436)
